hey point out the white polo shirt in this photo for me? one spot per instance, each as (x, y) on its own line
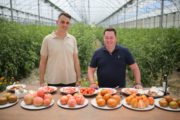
(60, 66)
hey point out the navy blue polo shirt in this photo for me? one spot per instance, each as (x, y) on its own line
(111, 68)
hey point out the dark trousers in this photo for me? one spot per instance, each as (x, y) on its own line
(62, 85)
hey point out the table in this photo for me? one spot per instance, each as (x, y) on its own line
(87, 113)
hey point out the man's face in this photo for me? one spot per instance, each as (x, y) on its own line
(109, 39)
(63, 22)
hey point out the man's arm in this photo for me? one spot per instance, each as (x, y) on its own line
(91, 77)
(77, 68)
(42, 69)
(137, 75)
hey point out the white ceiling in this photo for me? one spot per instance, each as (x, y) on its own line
(90, 11)
(94, 11)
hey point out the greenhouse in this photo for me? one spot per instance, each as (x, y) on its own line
(90, 59)
(123, 13)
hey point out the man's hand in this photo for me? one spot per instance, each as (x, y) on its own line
(138, 86)
(94, 85)
(42, 83)
(78, 83)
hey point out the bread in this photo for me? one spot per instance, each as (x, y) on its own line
(6, 94)
(3, 100)
(12, 98)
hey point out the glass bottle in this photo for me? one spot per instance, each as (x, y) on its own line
(164, 84)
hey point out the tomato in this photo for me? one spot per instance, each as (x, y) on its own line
(112, 102)
(117, 98)
(87, 91)
(101, 102)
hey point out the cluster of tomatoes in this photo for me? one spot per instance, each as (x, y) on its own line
(141, 102)
(105, 98)
(69, 90)
(72, 100)
(48, 89)
(87, 91)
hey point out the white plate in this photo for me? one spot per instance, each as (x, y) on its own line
(114, 91)
(93, 102)
(164, 108)
(123, 90)
(62, 90)
(16, 85)
(32, 107)
(142, 91)
(21, 94)
(156, 96)
(76, 107)
(88, 95)
(44, 88)
(150, 107)
(159, 93)
(8, 104)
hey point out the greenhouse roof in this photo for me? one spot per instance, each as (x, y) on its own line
(88, 11)
(91, 11)
(94, 11)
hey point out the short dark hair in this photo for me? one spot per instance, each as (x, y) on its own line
(65, 14)
(110, 29)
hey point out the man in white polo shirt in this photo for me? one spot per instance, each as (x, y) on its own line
(59, 62)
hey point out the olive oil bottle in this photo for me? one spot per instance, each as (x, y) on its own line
(165, 84)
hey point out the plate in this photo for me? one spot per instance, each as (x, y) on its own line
(150, 107)
(15, 87)
(48, 89)
(93, 103)
(21, 93)
(113, 91)
(129, 91)
(68, 90)
(32, 107)
(142, 91)
(88, 95)
(155, 92)
(156, 96)
(8, 105)
(76, 107)
(165, 108)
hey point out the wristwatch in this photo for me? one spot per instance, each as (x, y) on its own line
(93, 83)
(138, 84)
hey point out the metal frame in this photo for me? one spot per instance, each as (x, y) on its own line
(132, 12)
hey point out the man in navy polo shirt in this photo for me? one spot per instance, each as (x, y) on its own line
(111, 61)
